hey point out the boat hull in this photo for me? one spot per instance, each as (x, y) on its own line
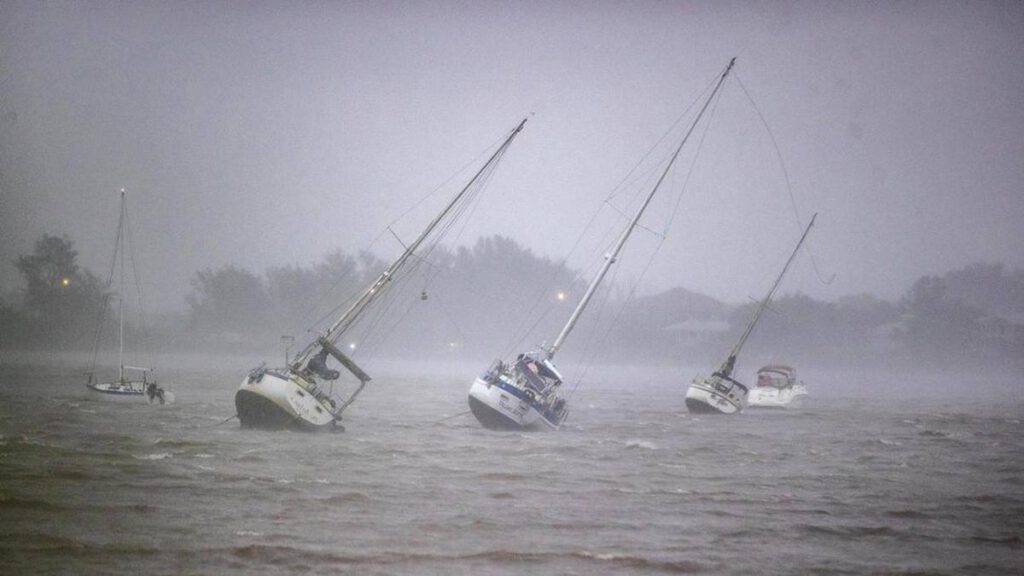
(274, 401)
(771, 397)
(498, 405)
(715, 395)
(129, 391)
(499, 409)
(117, 391)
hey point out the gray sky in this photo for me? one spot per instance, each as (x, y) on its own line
(269, 134)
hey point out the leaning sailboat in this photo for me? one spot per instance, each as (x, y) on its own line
(132, 381)
(720, 393)
(299, 395)
(522, 393)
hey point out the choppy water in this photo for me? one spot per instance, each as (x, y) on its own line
(632, 485)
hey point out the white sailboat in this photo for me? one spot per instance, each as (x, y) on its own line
(133, 382)
(298, 396)
(720, 393)
(777, 387)
(520, 394)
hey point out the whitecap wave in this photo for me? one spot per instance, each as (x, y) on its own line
(156, 456)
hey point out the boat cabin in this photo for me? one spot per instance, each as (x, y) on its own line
(537, 375)
(776, 376)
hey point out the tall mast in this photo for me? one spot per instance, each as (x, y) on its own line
(727, 366)
(370, 294)
(120, 298)
(610, 256)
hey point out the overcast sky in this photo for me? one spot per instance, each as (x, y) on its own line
(266, 134)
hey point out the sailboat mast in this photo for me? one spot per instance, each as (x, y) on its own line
(763, 304)
(371, 293)
(120, 298)
(610, 256)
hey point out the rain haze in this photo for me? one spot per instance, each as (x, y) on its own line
(271, 134)
(331, 200)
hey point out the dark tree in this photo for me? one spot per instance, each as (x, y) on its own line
(939, 326)
(61, 299)
(229, 300)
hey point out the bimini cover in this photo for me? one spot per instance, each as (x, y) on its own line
(539, 374)
(787, 371)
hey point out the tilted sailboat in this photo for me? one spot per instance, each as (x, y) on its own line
(720, 393)
(294, 396)
(126, 386)
(521, 393)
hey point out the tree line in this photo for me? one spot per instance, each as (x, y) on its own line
(496, 298)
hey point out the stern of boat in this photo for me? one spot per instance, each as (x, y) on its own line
(716, 394)
(499, 405)
(273, 400)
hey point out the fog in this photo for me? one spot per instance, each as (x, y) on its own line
(269, 135)
(276, 156)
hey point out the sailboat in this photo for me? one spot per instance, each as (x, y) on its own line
(298, 396)
(132, 381)
(720, 393)
(520, 394)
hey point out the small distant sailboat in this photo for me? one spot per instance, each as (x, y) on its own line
(777, 387)
(126, 386)
(720, 393)
(519, 394)
(293, 397)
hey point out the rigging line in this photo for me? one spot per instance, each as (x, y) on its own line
(323, 296)
(101, 314)
(665, 135)
(469, 204)
(444, 183)
(448, 315)
(333, 311)
(469, 200)
(641, 226)
(615, 319)
(546, 288)
(587, 350)
(693, 162)
(343, 324)
(458, 212)
(785, 175)
(404, 247)
(423, 199)
(587, 270)
(514, 344)
(144, 344)
(469, 208)
(373, 347)
(373, 339)
(446, 418)
(367, 330)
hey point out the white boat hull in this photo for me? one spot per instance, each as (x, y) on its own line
(771, 397)
(715, 395)
(500, 407)
(273, 400)
(116, 391)
(125, 391)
